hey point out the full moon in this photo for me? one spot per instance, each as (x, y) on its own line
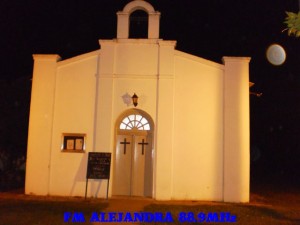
(276, 55)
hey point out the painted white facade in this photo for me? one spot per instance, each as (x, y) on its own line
(199, 112)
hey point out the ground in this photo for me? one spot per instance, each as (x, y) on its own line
(268, 205)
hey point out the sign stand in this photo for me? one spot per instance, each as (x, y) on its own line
(107, 189)
(86, 185)
(98, 167)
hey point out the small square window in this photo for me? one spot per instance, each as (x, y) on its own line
(73, 143)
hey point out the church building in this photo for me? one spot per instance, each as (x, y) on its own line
(176, 125)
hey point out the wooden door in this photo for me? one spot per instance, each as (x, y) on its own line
(133, 166)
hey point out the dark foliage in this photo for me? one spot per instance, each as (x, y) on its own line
(14, 111)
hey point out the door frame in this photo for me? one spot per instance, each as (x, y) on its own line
(148, 133)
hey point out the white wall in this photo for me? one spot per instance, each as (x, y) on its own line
(40, 124)
(236, 130)
(74, 113)
(135, 71)
(136, 57)
(198, 135)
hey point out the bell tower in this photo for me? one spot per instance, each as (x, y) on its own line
(131, 7)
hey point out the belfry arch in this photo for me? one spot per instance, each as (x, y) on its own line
(133, 154)
(124, 19)
(138, 24)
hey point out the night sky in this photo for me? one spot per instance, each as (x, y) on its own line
(206, 28)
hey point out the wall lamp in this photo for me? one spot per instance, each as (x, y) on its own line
(135, 99)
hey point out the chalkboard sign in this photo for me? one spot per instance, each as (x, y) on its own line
(98, 165)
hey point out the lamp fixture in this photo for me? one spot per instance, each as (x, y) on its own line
(135, 99)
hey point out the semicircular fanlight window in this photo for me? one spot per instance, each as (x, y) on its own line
(134, 121)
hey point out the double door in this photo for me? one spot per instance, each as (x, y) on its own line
(133, 165)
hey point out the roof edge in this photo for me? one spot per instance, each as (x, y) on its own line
(79, 57)
(199, 59)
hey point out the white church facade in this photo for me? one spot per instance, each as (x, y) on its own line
(186, 139)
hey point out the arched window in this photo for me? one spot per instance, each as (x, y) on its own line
(134, 122)
(138, 24)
